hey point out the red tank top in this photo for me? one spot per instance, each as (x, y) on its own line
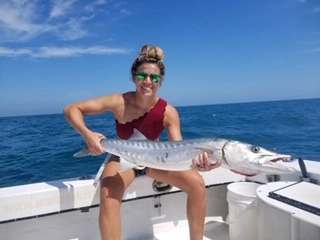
(150, 124)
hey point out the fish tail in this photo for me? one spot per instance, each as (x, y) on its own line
(83, 153)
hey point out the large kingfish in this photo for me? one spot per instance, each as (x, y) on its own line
(177, 155)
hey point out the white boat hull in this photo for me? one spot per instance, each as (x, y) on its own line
(69, 209)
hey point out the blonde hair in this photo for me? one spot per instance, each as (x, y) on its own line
(149, 54)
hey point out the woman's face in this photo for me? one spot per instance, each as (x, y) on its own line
(148, 79)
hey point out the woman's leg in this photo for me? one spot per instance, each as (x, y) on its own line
(113, 186)
(192, 183)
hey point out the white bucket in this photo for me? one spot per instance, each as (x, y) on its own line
(242, 220)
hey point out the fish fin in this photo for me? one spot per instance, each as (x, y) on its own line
(137, 135)
(83, 153)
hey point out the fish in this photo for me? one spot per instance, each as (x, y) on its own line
(235, 155)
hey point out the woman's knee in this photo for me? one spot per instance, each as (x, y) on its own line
(111, 191)
(194, 184)
(109, 203)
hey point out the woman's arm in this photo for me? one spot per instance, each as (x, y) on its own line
(75, 113)
(172, 123)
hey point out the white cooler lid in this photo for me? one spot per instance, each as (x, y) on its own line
(301, 199)
(301, 195)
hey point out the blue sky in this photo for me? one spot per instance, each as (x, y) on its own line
(53, 53)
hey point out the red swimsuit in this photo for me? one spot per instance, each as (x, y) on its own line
(150, 124)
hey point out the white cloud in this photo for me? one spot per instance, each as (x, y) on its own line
(18, 20)
(73, 30)
(7, 52)
(93, 6)
(316, 10)
(24, 20)
(31, 22)
(47, 52)
(75, 51)
(61, 7)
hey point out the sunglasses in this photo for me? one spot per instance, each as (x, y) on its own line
(142, 76)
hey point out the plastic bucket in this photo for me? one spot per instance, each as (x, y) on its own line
(242, 220)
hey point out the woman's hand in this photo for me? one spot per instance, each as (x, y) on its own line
(93, 140)
(203, 164)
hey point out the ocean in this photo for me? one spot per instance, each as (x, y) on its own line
(40, 148)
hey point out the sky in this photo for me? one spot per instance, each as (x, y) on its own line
(56, 52)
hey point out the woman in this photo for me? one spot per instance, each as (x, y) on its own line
(144, 110)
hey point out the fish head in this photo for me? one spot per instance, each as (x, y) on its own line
(253, 159)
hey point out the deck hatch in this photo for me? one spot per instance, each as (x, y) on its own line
(302, 195)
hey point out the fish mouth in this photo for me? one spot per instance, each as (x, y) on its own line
(274, 163)
(283, 159)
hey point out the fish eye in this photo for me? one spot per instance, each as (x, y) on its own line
(255, 149)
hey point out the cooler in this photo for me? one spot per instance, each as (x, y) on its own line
(288, 210)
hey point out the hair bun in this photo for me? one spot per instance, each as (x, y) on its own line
(151, 53)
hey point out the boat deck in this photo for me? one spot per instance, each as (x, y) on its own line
(69, 210)
(215, 229)
(142, 220)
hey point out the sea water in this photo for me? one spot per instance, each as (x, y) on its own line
(40, 148)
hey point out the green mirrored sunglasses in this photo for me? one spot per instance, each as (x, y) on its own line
(142, 76)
